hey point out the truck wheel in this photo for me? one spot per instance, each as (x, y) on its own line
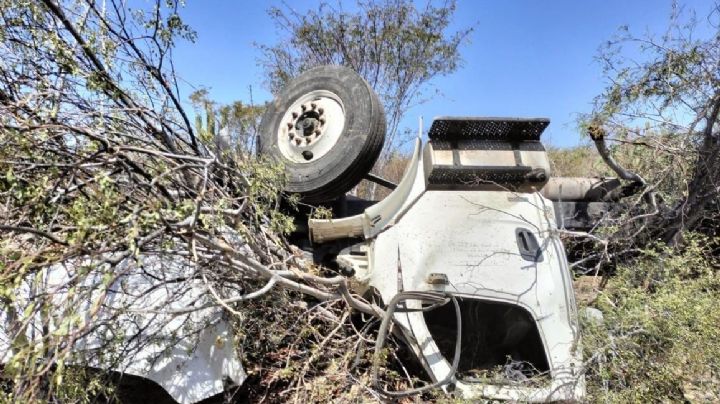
(327, 127)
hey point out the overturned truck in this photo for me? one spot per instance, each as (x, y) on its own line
(464, 253)
(463, 259)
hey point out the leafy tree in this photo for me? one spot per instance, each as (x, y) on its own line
(109, 194)
(660, 117)
(397, 47)
(658, 124)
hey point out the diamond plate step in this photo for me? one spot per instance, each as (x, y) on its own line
(485, 128)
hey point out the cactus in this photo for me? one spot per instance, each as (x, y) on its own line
(207, 132)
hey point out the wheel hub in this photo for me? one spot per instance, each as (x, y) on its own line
(311, 126)
(308, 123)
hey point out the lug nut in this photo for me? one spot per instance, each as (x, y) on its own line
(292, 136)
(308, 140)
(320, 110)
(298, 141)
(313, 105)
(303, 107)
(317, 132)
(294, 115)
(322, 121)
(290, 125)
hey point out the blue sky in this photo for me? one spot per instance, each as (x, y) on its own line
(525, 58)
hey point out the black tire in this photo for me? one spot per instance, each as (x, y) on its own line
(353, 153)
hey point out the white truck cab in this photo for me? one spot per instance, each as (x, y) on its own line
(468, 221)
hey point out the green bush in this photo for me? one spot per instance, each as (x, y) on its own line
(660, 337)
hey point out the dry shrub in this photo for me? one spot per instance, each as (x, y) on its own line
(660, 338)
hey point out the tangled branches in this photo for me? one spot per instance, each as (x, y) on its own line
(660, 119)
(120, 227)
